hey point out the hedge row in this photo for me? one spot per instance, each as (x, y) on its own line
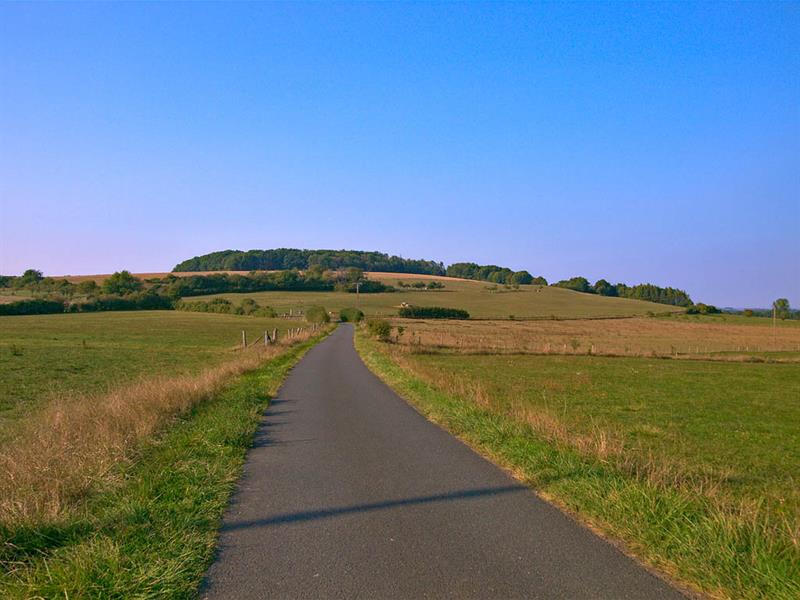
(433, 312)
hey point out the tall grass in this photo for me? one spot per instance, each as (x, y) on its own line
(55, 458)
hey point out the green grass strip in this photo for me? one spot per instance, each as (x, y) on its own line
(682, 536)
(153, 534)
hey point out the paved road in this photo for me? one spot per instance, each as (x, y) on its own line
(350, 493)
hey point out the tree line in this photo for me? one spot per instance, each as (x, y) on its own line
(124, 291)
(642, 291)
(280, 259)
(493, 274)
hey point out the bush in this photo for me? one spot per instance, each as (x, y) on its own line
(702, 309)
(217, 305)
(351, 315)
(317, 314)
(121, 282)
(365, 287)
(432, 312)
(32, 307)
(380, 329)
(265, 311)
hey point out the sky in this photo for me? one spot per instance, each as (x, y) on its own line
(634, 142)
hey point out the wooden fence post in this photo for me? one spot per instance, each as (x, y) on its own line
(244, 339)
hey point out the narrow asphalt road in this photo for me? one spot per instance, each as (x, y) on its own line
(350, 493)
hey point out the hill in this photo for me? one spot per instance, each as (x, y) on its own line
(481, 299)
(293, 258)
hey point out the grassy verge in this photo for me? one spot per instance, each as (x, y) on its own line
(151, 532)
(724, 553)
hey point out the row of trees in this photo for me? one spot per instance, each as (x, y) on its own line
(493, 274)
(124, 291)
(293, 258)
(643, 291)
(123, 283)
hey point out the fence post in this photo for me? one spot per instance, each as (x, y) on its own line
(244, 339)
(275, 334)
(266, 339)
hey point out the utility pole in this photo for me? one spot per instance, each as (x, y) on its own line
(358, 284)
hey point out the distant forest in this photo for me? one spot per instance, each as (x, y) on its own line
(281, 259)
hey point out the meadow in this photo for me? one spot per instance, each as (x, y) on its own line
(43, 356)
(693, 463)
(477, 297)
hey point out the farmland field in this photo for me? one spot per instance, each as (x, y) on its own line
(528, 302)
(43, 355)
(677, 336)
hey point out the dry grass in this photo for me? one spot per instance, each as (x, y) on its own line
(55, 458)
(606, 337)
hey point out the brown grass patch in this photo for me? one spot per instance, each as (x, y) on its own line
(657, 338)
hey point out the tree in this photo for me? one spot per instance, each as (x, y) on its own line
(29, 277)
(521, 278)
(121, 282)
(781, 308)
(604, 288)
(353, 274)
(579, 284)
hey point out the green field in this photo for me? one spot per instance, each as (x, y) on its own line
(728, 319)
(737, 424)
(84, 352)
(474, 296)
(693, 464)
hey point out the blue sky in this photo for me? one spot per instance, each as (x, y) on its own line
(635, 142)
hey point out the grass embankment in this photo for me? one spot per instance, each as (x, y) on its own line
(49, 355)
(693, 465)
(147, 528)
(476, 297)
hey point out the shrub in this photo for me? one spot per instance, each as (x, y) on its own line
(87, 287)
(265, 311)
(317, 314)
(380, 329)
(121, 282)
(248, 306)
(365, 287)
(432, 312)
(351, 315)
(32, 307)
(702, 309)
(217, 305)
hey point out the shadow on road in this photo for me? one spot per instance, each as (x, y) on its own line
(326, 513)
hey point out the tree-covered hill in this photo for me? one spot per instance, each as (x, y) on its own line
(292, 258)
